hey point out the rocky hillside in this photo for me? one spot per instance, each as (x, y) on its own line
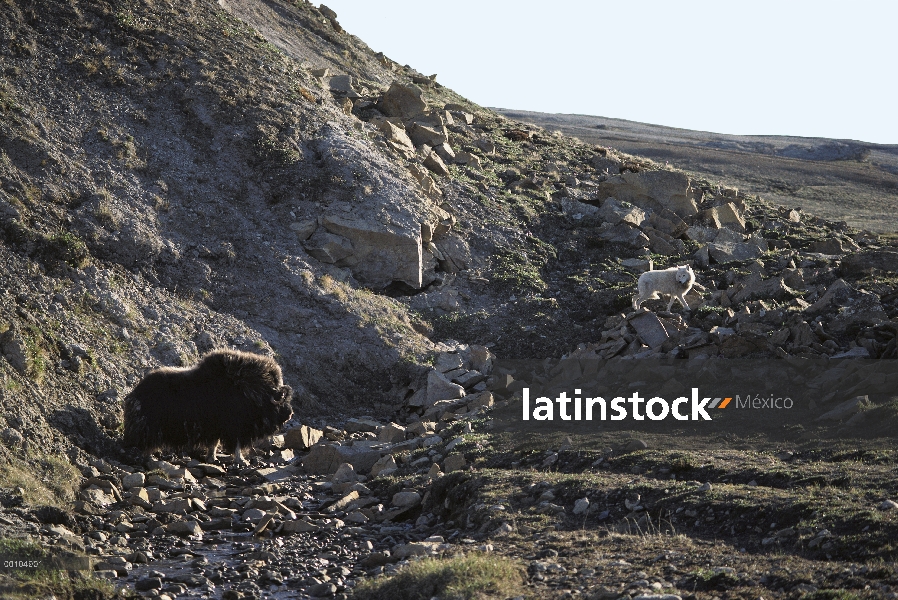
(180, 177)
(843, 180)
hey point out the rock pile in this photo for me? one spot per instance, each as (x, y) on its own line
(354, 497)
(453, 388)
(168, 529)
(748, 300)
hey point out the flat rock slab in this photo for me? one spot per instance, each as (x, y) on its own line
(649, 329)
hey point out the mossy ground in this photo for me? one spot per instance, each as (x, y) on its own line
(34, 584)
(465, 577)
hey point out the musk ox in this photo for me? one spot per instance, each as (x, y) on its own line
(675, 281)
(230, 397)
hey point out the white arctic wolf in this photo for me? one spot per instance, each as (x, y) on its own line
(675, 281)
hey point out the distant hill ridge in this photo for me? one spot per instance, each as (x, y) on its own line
(858, 182)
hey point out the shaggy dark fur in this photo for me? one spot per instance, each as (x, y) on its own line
(229, 396)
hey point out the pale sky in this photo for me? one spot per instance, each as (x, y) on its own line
(804, 68)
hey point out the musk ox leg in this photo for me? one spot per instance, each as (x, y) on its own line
(238, 457)
(212, 456)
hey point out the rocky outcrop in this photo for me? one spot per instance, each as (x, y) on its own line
(652, 191)
(402, 100)
(378, 254)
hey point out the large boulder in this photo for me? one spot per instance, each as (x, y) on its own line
(403, 101)
(13, 347)
(456, 254)
(834, 245)
(325, 459)
(440, 388)
(726, 215)
(603, 163)
(427, 133)
(381, 253)
(650, 329)
(668, 222)
(652, 191)
(661, 243)
(622, 233)
(757, 288)
(725, 252)
(869, 261)
(343, 85)
(302, 437)
(433, 162)
(423, 177)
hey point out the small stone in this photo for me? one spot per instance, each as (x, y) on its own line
(433, 162)
(343, 502)
(302, 437)
(11, 437)
(184, 527)
(322, 590)
(356, 517)
(211, 470)
(300, 526)
(581, 506)
(454, 462)
(345, 473)
(406, 499)
(414, 549)
(133, 480)
(888, 505)
(146, 584)
(634, 445)
(253, 514)
(386, 463)
(451, 445)
(169, 506)
(391, 433)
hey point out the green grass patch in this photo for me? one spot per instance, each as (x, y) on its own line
(518, 271)
(471, 576)
(276, 153)
(68, 248)
(37, 361)
(29, 584)
(43, 479)
(458, 325)
(7, 99)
